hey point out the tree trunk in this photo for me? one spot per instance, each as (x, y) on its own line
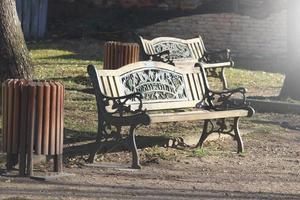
(15, 61)
(291, 86)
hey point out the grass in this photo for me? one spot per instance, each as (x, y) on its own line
(254, 79)
(66, 61)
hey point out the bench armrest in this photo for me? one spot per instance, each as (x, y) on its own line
(228, 99)
(163, 56)
(216, 56)
(117, 105)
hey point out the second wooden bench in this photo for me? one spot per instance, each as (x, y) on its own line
(185, 53)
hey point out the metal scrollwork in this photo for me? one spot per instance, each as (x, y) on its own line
(119, 105)
(227, 99)
(155, 84)
(108, 132)
(163, 56)
(177, 50)
(212, 72)
(222, 125)
(227, 126)
(216, 56)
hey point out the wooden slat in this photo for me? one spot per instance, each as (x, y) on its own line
(147, 49)
(197, 86)
(23, 130)
(30, 126)
(53, 105)
(201, 43)
(191, 85)
(46, 119)
(58, 118)
(136, 56)
(193, 50)
(195, 115)
(106, 86)
(112, 86)
(168, 105)
(16, 116)
(215, 65)
(188, 88)
(198, 51)
(126, 53)
(10, 111)
(115, 55)
(62, 120)
(4, 114)
(200, 81)
(105, 56)
(39, 118)
(116, 86)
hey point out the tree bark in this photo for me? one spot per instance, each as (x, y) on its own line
(291, 86)
(15, 61)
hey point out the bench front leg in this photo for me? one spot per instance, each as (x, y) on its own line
(218, 73)
(133, 148)
(222, 126)
(97, 145)
(223, 78)
(204, 135)
(237, 136)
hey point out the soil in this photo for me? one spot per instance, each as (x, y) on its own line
(269, 169)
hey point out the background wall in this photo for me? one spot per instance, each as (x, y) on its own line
(255, 43)
(261, 41)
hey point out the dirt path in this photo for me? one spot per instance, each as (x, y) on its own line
(270, 169)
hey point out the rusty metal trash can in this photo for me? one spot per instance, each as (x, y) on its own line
(118, 54)
(33, 122)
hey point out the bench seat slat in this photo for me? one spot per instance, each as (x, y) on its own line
(113, 86)
(108, 89)
(191, 63)
(215, 65)
(167, 105)
(196, 115)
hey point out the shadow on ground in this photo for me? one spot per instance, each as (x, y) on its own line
(78, 146)
(104, 190)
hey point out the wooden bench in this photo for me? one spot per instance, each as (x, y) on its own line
(150, 92)
(185, 53)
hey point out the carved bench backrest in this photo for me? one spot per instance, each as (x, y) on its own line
(179, 49)
(163, 86)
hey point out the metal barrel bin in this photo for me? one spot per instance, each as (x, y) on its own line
(117, 54)
(33, 122)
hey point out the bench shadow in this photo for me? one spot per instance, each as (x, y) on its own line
(80, 80)
(82, 145)
(80, 49)
(105, 190)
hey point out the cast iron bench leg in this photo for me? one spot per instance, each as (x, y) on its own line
(204, 134)
(97, 145)
(236, 133)
(223, 78)
(133, 148)
(238, 137)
